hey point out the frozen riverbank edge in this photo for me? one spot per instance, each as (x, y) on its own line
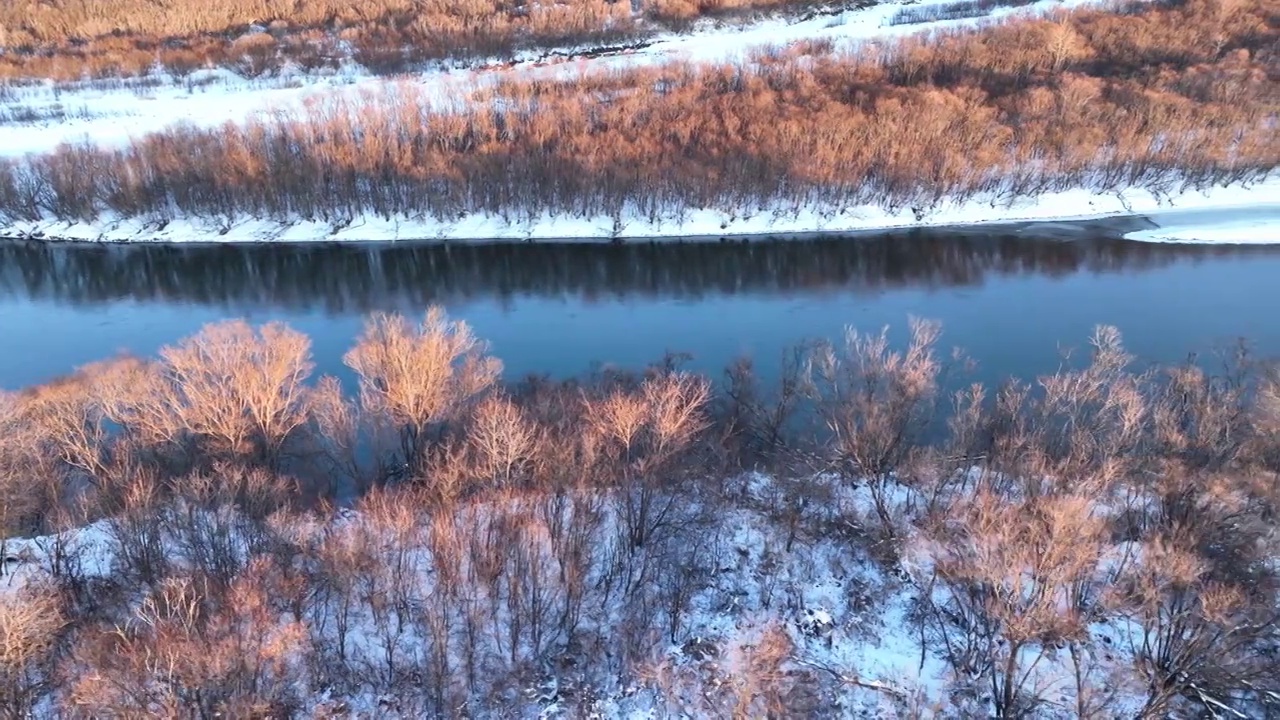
(1235, 214)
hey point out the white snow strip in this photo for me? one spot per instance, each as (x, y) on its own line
(36, 119)
(1253, 226)
(1218, 207)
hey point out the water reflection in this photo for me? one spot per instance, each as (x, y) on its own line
(1009, 300)
(344, 279)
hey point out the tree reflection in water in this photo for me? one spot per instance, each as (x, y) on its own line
(356, 278)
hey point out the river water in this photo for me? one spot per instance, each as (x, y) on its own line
(1011, 302)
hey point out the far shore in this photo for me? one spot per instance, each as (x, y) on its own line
(1236, 214)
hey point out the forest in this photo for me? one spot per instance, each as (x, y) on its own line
(215, 532)
(1162, 96)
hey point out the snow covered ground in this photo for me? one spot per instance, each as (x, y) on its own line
(843, 616)
(1238, 213)
(1258, 224)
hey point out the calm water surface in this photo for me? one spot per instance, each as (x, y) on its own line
(1009, 301)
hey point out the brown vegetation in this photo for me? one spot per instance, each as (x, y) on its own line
(30, 623)
(1092, 99)
(71, 39)
(565, 528)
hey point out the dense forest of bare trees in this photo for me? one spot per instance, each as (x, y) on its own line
(71, 39)
(1162, 96)
(1099, 543)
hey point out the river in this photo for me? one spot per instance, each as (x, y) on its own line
(1010, 301)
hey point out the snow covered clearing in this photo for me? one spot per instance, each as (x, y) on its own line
(36, 119)
(1254, 207)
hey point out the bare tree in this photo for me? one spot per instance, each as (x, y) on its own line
(646, 431)
(504, 439)
(1197, 640)
(186, 652)
(31, 621)
(877, 404)
(243, 390)
(1011, 576)
(22, 500)
(763, 417)
(72, 427)
(412, 379)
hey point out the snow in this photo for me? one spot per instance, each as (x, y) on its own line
(1241, 226)
(28, 559)
(1258, 203)
(116, 112)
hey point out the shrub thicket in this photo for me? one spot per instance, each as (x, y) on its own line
(561, 535)
(71, 39)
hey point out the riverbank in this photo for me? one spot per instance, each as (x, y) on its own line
(1242, 213)
(1259, 224)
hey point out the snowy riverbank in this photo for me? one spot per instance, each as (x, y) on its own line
(1234, 214)
(1259, 224)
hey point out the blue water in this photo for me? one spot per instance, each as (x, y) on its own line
(1010, 302)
